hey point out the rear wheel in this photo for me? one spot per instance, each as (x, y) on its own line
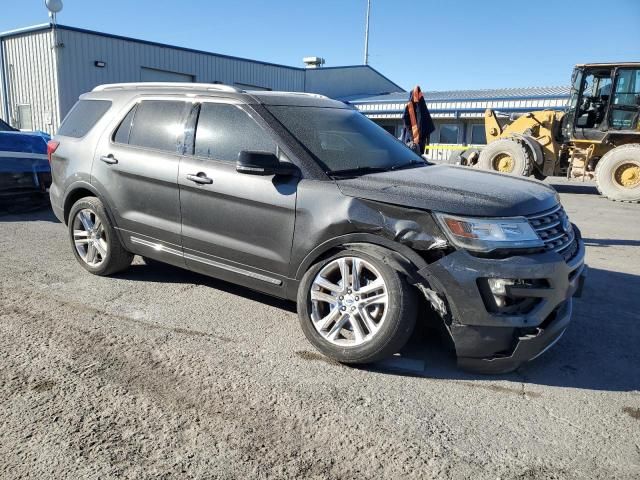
(508, 156)
(355, 308)
(618, 174)
(95, 243)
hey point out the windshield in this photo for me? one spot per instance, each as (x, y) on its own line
(344, 140)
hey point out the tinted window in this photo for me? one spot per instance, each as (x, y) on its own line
(448, 134)
(82, 117)
(224, 130)
(159, 124)
(122, 133)
(344, 139)
(5, 127)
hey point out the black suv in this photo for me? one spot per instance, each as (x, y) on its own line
(304, 198)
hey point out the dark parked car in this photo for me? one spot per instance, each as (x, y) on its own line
(24, 169)
(304, 198)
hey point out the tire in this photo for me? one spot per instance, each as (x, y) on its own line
(94, 241)
(508, 156)
(618, 174)
(390, 325)
(538, 174)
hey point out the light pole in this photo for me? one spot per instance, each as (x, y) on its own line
(366, 35)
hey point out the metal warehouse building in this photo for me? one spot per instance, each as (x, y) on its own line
(45, 68)
(459, 115)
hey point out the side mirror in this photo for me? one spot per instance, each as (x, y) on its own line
(263, 163)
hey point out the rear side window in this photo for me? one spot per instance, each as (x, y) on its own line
(225, 130)
(159, 124)
(82, 117)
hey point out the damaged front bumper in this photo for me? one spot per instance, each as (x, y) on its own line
(489, 339)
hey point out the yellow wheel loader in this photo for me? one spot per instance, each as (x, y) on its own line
(598, 136)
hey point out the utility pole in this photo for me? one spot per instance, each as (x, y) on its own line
(366, 35)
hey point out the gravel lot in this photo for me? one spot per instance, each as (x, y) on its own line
(162, 373)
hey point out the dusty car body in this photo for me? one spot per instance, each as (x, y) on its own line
(25, 174)
(307, 215)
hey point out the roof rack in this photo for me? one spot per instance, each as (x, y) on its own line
(192, 86)
(276, 92)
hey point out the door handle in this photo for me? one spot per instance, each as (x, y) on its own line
(109, 159)
(200, 178)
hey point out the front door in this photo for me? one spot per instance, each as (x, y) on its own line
(137, 171)
(234, 225)
(625, 105)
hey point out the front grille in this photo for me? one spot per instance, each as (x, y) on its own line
(556, 231)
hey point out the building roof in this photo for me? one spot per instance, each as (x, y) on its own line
(467, 95)
(312, 71)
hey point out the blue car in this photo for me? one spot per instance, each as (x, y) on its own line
(25, 174)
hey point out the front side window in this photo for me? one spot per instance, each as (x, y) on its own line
(82, 117)
(595, 98)
(224, 130)
(344, 140)
(159, 124)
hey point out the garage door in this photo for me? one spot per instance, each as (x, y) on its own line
(155, 75)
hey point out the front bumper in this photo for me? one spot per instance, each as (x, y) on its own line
(490, 342)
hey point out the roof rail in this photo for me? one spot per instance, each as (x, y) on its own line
(193, 86)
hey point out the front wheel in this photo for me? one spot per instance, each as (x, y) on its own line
(94, 241)
(508, 156)
(356, 309)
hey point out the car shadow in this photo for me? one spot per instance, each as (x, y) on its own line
(577, 187)
(599, 351)
(609, 242)
(34, 212)
(163, 272)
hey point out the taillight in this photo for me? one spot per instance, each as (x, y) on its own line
(52, 146)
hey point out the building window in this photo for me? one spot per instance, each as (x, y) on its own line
(449, 133)
(478, 135)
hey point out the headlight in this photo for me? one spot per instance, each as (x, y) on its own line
(487, 234)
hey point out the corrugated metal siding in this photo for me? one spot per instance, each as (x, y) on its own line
(31, 77)
(124, 59)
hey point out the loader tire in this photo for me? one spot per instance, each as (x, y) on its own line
(509, 156)
(618, 174)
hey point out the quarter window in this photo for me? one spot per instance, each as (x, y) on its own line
(158, 124)
(224, 130)
(123, 131)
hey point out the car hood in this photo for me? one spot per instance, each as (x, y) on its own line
(455, 190)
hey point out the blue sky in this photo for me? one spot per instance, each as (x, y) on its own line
(440, 45)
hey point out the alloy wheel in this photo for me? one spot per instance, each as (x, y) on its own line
(89, 237)
(349, 301)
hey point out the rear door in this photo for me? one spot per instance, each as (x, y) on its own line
(137, 169)
(235, 226)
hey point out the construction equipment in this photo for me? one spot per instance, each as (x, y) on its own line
(597, 136)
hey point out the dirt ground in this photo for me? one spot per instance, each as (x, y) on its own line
(162, 373)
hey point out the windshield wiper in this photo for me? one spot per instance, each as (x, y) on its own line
(411, 164)
(352, 172)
